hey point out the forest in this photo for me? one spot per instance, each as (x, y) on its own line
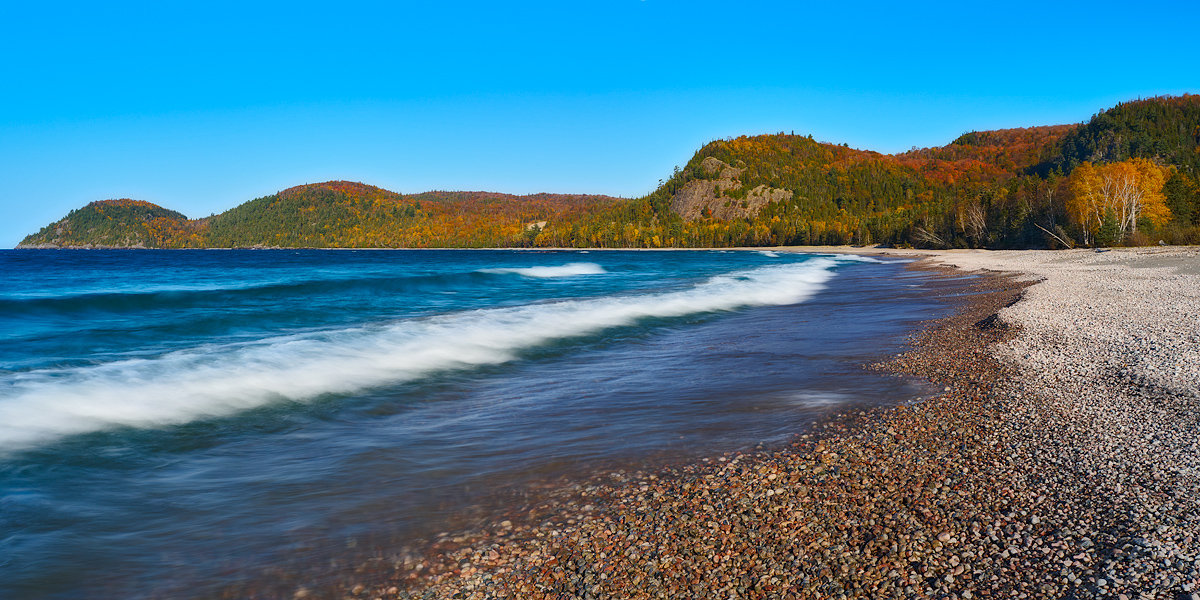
(1128, 176)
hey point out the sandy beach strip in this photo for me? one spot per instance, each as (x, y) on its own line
(1060, 461)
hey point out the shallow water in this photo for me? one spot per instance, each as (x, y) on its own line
(172, 423)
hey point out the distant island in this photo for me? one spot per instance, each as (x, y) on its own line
(1126, 177)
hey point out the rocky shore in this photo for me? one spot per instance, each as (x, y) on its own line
(1060, 461)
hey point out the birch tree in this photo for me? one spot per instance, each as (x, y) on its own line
(1131, 190)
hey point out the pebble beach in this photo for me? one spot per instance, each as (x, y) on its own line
(1059, 460)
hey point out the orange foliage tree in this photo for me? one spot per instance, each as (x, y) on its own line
(1126, 192)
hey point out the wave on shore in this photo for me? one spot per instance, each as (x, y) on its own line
(219, 380)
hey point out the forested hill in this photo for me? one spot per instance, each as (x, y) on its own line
(335, 214)
(1166, 130)
(1127, 176)
(120, 223)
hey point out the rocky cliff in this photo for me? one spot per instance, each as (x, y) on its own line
(722, 196)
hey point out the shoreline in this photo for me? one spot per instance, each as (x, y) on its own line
(938, 256)
(1030, 476)
(803, 509)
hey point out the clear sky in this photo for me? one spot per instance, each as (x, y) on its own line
(200, 107)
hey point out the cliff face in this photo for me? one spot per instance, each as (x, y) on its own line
(720, 197)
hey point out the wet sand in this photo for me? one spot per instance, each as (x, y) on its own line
(1060, 461)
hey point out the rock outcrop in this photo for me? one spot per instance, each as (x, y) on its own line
(710, 197)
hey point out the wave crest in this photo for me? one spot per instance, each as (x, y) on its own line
(40, 406)
(567, 270)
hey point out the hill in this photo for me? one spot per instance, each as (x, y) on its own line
(341, 214)
(1008, 188)
(335, 214)
(1165, 129)
(120, 223)
(786, 189)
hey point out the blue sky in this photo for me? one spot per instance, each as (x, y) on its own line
(202, 107)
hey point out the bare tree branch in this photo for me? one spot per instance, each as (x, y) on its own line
(1064, 242)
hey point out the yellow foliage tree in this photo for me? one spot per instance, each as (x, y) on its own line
(1128, 190)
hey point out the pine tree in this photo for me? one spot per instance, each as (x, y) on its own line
(1109, 233)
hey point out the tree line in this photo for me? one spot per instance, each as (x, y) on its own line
(1127, 176)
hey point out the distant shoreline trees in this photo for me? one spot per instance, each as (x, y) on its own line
(1127, 176)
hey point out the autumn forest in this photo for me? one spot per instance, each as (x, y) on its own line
(1128, 176)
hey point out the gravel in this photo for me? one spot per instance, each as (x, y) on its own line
(1061, 461)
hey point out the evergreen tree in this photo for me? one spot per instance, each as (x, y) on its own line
(1181, 195)
(1109, 233)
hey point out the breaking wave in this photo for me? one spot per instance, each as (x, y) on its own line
(567, 270)
(40, 406)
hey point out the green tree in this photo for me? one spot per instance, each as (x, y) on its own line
(1182, 198)
(1109, 233)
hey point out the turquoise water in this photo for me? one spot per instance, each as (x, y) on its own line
(176, 422)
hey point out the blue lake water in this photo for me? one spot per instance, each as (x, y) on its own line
(173, 423)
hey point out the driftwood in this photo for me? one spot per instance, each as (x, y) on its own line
(1064, 242)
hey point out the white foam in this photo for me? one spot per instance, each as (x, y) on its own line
(769, 253)
(40, 406)
(855, 258)
(815, 399)
(567, 270)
